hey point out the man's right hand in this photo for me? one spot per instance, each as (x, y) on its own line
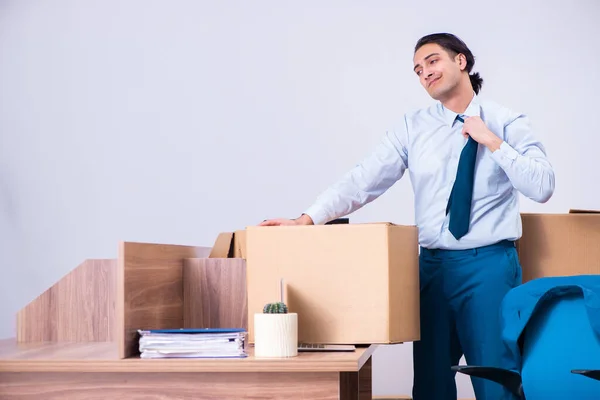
(304, 219)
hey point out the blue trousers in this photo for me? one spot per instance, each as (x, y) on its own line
(461, 294)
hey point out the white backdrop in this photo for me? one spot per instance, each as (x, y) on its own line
(170, 121)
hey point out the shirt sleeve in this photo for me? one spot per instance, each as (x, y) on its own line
(523, 159)
(369, 179)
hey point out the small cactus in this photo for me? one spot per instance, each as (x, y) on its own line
(275, 308)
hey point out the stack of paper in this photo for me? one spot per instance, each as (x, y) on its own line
(192, 343)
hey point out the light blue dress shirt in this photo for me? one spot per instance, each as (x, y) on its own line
(428, 144)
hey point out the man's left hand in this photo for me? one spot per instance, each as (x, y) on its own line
(476, 128)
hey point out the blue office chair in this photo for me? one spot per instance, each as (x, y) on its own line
(554, 325)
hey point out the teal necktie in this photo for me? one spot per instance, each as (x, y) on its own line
(459, 204)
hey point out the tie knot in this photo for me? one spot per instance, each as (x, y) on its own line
(460, 118)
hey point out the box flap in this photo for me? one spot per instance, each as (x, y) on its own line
(229, 245)
(580, 211)
(223, 246)
(239, 244)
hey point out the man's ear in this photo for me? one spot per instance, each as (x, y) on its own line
(461, 60)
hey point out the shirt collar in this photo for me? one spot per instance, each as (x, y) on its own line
(473, 110)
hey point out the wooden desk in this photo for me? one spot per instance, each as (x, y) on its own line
(73, 371)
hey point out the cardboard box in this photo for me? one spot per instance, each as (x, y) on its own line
(560, 244)
(349, 284)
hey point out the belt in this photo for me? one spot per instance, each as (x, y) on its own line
(475, 250)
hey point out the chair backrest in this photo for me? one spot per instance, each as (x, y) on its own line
(557, 339)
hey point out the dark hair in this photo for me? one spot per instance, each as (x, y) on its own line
(454, 46)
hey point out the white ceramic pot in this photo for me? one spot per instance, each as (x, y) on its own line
(275, 335)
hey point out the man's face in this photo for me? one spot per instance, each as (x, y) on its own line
(438, 72)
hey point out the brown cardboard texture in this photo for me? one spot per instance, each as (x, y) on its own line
(560, 244)
(349, 283)
(229, 245)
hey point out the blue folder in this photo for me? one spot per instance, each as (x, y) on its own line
(196, 330)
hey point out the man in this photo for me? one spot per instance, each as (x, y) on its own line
(468, 159)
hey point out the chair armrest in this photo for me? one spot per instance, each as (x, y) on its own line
(590, 373)
(511, 380)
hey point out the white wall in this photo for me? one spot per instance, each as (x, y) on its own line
(172, 121)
